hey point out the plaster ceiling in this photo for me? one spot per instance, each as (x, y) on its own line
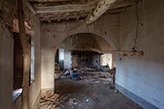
(68, 10)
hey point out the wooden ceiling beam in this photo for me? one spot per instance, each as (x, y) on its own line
(101, 8)
(65, 8)
(28, 4)
(48, 0)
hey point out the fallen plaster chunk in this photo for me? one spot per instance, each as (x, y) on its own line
(96, 82)
(73, 101)
(116, 91)
(45, 103)
(55, 96)
(66, 97)
(106, 83)
(54, 105)
(52, 98)
(87, 100)
(48, 93)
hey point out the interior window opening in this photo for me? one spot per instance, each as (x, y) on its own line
(32, 74)
(18, 59)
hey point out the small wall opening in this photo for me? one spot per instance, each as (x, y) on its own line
(82, 59)
(18, 57)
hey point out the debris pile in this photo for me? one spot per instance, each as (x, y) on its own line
(49, 101)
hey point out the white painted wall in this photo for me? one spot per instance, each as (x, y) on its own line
(143, 76)
(66, 46)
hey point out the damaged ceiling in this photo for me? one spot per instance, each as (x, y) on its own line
(72, 10)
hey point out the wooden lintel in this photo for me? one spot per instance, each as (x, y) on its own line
(66, 8)
(131, 53)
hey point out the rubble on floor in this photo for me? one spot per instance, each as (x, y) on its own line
(89, 93)
(48, 101)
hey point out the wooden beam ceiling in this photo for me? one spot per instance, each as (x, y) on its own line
(101, 8)
(48, 0)
(65, 8)
(63, 16)
(90, 10)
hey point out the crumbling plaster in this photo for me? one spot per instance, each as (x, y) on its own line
(108, 27)
(6, 68)
(6, 53)
(8, 11)
(34, 90)
(140, 78)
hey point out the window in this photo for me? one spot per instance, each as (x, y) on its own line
(32, 75)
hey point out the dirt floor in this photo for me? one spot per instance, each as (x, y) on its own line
(91, 92)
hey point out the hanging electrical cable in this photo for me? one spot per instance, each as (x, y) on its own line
(137, 25)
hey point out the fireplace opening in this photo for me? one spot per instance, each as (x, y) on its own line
(81, 59)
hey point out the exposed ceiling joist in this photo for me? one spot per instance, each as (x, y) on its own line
(125, 53)
(66, 8)
(63, 16)
(48, 0)
(101, 8)
(28, 4)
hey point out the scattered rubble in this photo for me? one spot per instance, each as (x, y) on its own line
(116, 91)
(66, 97)
(73, 101)
(106, 82)
(111, 87)
(51, 100)
(87, 100)
(96, 82)
(48, 101)
(84, 94)
(49, 93)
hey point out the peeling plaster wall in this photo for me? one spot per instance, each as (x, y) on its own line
(108, 26)
(35, 87)
(7, 13)
(86, 42)
(143, 77)
(6, 68)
